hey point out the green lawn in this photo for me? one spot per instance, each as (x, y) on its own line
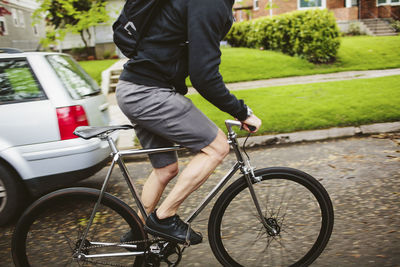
(244, 64)
(355, 53)
(95, 67)
(316, 106)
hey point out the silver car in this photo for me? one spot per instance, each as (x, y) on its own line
(43, 98)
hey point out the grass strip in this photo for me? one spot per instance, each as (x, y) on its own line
(95, 67)
(317, 106)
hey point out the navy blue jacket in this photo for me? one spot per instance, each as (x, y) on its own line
(184, 40)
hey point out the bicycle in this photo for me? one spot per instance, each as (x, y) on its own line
(283, 216)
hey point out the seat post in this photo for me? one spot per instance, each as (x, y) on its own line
(112, 145)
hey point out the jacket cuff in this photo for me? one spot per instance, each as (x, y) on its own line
(242, 114)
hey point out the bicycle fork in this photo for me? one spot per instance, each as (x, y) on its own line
(248, 172)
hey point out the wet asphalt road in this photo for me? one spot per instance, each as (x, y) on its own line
(362, 176)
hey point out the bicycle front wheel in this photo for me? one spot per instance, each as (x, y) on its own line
(292, 202)
(50, 231)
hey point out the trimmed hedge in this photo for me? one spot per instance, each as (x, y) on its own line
(311, 34)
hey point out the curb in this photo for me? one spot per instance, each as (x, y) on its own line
(308, 79)
(306, 136)
(319, 135)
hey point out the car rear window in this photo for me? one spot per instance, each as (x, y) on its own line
(78, 83)
(17, 82)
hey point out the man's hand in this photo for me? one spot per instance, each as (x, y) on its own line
(252, 120)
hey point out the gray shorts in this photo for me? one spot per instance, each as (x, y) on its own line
(162, 117)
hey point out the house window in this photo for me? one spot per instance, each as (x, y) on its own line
(256, 5)
(387, 2)
(21, 19)
(14, 16)
(312, 4)
(351, 3)
(3, 27)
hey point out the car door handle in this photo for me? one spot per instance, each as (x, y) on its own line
(103, 107)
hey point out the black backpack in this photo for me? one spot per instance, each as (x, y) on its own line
(132, 24)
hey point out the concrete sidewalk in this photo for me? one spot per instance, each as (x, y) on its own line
(316, 78)
(127, 137)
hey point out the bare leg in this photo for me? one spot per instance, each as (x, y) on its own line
(194, 175)
(155, 185)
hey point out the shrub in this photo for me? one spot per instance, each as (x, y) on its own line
(395, 25)
(355, 29)
(237, 36)
(310, 34)
(106, 54)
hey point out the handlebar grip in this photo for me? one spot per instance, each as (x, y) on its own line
(251, 127)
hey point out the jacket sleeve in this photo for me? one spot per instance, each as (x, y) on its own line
(207, 20)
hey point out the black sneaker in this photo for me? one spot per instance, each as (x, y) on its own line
(128, 237)
(173, 229)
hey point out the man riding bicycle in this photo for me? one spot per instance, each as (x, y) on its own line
(183, 40)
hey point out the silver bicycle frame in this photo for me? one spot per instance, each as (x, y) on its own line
(117, 158)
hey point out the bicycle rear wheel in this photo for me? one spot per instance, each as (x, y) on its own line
(50, 231)
(292, 202)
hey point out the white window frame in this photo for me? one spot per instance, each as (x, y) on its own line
(388, 3)
(240, 15)
(256, 4)
(323, 5)
(3, 19)
(21, 19)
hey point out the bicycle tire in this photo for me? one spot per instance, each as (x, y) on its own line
(51, 228)
(237, 240)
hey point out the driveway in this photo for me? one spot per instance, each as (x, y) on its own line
(362, 175)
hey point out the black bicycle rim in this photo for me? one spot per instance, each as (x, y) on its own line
(235, 225)
(50, 230)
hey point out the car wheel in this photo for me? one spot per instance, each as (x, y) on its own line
(11, 195)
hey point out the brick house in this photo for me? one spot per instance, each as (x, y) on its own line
(345, 11)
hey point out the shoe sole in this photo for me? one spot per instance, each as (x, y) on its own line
(166, 236)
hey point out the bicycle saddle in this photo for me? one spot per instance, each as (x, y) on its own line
(87, 132)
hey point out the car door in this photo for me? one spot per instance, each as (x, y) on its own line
(26, 114)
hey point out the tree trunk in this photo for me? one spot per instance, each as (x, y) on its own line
(85, 42)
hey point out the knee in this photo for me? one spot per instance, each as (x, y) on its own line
(219, 147)
(167, 173)
(223, 150)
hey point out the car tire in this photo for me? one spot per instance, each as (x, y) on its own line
(12, 195)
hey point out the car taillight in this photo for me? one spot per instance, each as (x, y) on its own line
(69, 118)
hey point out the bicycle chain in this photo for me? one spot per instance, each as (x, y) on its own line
(114, 245)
